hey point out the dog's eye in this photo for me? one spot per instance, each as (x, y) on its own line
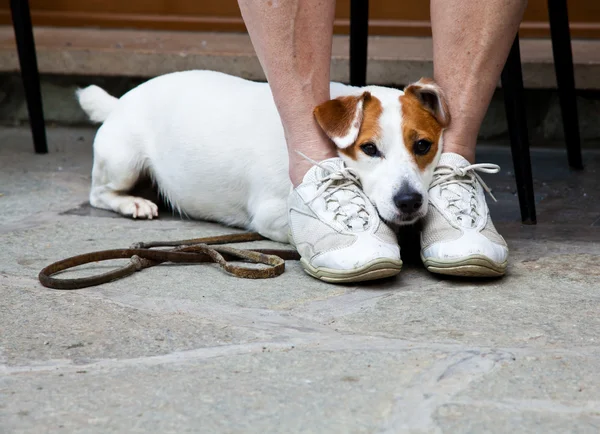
(422, 147)
(370, 149)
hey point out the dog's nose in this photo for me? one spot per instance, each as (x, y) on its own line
(408, 202)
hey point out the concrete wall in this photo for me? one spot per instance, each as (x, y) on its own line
(60, 107)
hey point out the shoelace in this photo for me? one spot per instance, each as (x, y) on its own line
(344, 179)
(465, 177)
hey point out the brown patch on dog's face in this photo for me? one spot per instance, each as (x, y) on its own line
(424, 116)
(350, 121)
(370, 129)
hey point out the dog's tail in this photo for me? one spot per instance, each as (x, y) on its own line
(96, 102)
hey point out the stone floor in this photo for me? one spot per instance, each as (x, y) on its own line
(191, 349)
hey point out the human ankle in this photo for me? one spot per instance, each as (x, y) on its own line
(299, 165)
(467, 152)
(297, 172)
(461, 138)
(300, 158)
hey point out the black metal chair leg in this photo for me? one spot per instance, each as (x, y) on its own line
(565, 79)
(359, 36)
(29, 72)
(514, 103)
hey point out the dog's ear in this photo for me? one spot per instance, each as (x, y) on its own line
(341, 118)
(432, 98)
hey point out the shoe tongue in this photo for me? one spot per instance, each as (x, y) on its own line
(453, 160)
(463, 191)
(344, 201)
(325, 168)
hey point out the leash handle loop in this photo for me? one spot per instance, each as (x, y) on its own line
(196, 250)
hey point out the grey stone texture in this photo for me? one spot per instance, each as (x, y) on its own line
(188, 348)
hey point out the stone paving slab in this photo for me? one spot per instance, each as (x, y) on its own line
(191, 349)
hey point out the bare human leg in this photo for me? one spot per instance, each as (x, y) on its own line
(471, 41)
(292, 39)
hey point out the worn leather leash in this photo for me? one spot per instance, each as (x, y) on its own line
(197, 250)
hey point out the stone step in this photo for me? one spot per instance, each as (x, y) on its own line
(119, 60)
(143, 53)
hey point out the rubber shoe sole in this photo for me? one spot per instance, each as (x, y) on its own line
(377, 269)
(471, 266)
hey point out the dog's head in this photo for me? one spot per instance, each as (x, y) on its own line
(393, 139)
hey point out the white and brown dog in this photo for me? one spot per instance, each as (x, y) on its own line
(215, 147)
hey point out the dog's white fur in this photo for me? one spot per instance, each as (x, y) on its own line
(215, 147)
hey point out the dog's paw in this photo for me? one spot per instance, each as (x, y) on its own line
(139, 208)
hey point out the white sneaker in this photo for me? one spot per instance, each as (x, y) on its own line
(458, 236)
(337, 230)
